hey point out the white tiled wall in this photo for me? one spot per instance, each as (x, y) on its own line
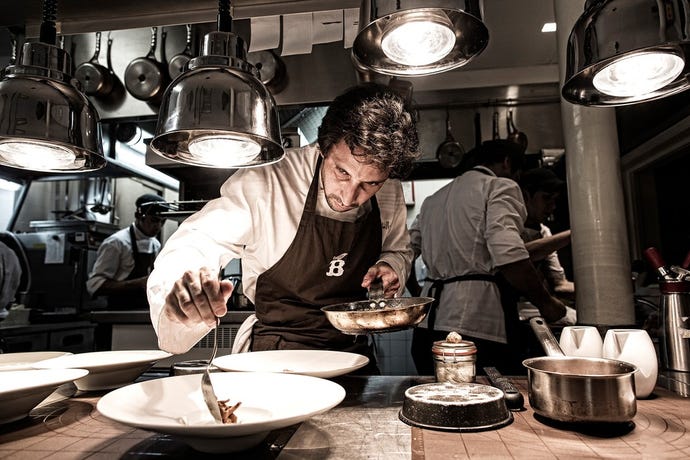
(393, 353)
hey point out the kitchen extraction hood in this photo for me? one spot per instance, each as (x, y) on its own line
(77, 16)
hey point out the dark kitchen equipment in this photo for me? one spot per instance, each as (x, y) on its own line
(657, 263)
(514, 399)
(477, 130)
(364, 317)
(271, 69)
(145, 77)
(455, 407)
(495, 130)
(95, 79)
(178, 63)
(675, 327)
(570, 389)
(450, 152)
(514, 135)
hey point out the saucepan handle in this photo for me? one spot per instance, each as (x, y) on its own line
(545, 336)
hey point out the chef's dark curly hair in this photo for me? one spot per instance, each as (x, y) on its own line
(377, 126)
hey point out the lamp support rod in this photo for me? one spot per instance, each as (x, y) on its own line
(224, 16)
(48, 33)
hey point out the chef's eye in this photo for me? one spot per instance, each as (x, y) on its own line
(342, 172)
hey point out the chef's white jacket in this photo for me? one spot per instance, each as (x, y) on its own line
(550, 266)
(115, 259)
(256, 219)
(471, 226)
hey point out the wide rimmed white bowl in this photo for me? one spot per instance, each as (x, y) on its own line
(107, 369)
(21, 391)
(175, 406)
(24, 361)
(316, 363)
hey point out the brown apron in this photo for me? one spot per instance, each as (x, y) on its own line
(324, 265)
(143, 264)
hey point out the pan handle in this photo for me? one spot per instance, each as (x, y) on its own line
(545, 336)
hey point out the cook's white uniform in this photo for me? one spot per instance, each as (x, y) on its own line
(471, 226)
(255, 219)
(115, 259)
(550, 266)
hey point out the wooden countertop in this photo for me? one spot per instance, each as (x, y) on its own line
(364, 425)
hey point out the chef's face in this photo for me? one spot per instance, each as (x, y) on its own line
(540, 205)
(150, 225)
(347, 182)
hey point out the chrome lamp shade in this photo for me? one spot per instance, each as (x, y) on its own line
(46, 123)
(624, 52)
(218, 114)
(418, 37)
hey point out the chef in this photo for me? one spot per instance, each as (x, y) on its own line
(477, 262)
(125, 258)
(313, 229)
(540, 190)
(10, 278)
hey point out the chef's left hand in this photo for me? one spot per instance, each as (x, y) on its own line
(391, 283)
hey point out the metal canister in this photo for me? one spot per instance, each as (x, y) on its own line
(455, 359)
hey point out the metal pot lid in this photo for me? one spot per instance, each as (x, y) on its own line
(455, 407)
(454, 345)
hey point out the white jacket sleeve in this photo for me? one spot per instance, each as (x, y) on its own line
(210, 238)
(396, 249)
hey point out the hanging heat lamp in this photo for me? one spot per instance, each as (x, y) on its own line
(628, 51)
(46, 123)
(418, 37)
(218, 114)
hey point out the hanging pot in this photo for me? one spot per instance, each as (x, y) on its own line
(514, 135)
(450, 152)
(477, 130)
(496, 133)
(145, 77)
(271, 69)
(95, 79)
(178, 63)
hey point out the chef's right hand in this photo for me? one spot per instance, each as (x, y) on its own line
(198, 297)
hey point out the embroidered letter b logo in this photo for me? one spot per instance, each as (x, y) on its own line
(337, 265)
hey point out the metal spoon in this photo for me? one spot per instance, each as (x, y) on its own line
(206, 386)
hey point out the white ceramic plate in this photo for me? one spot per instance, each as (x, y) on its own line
(174, 406)
(317, 363)
(24, 361)
(107, 369)
(21, 391)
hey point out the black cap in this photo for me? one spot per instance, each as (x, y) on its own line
(147, 203)
(541, 179)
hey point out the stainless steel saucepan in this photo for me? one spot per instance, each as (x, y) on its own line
(572, 389)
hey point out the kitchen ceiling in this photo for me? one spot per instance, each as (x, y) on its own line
(516, 40)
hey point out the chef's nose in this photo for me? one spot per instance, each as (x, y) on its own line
(350, 194)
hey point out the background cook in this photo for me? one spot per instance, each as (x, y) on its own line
(125, 259)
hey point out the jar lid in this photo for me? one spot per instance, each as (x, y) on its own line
(454, 345)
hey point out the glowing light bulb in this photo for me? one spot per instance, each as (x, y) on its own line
(39, 156)
(223, 150)
(419, 42)
(638, 74)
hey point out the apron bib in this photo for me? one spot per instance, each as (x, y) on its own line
(143, 264)
(324, 265)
